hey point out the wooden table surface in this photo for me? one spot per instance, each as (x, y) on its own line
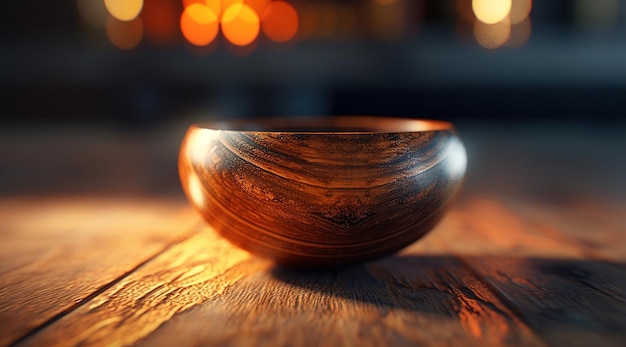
(533, 253)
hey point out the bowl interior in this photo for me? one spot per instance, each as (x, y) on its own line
(338, 124)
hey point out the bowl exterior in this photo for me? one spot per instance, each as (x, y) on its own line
(321, 199)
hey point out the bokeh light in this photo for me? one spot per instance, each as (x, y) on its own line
(492, 36)
(160, 20)
(124, 35)
(92, 12)
(280, 21)
(240, 24)
(520, 10)
(491, 11)
(124, 10)
(228, 3)
(214, 5)
(200, 21)
(258, 6)
(199, 24)
(493, 23)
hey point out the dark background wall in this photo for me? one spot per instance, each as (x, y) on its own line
(56, 68)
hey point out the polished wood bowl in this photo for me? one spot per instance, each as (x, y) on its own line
(322, 192)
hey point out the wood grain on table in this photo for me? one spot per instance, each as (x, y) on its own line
(501, 269)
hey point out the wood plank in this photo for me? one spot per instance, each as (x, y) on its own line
(568, 302)
(487, 226)
(573, 299)
(205, 291)
(188, 273)
(546, 272)
(397, 301)
(238, 299)
(57, 252)
(598, 226)
(482, 226)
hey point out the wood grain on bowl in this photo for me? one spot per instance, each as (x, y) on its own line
(323, 198)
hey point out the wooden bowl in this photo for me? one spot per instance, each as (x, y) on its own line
(322, 192)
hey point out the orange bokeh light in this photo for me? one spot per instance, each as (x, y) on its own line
(240, 21)
(199, 24)
(280, 21)
(258, 6)
(228, 3)
(124, 34)
(214, 5)
(240, 24)
(124, 10)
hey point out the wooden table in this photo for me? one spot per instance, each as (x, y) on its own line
(532, 254)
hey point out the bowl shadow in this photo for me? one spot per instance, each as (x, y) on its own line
(548, 294)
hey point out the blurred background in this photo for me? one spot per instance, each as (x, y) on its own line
(96, 94)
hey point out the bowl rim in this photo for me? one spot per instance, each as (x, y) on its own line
(326, 125)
